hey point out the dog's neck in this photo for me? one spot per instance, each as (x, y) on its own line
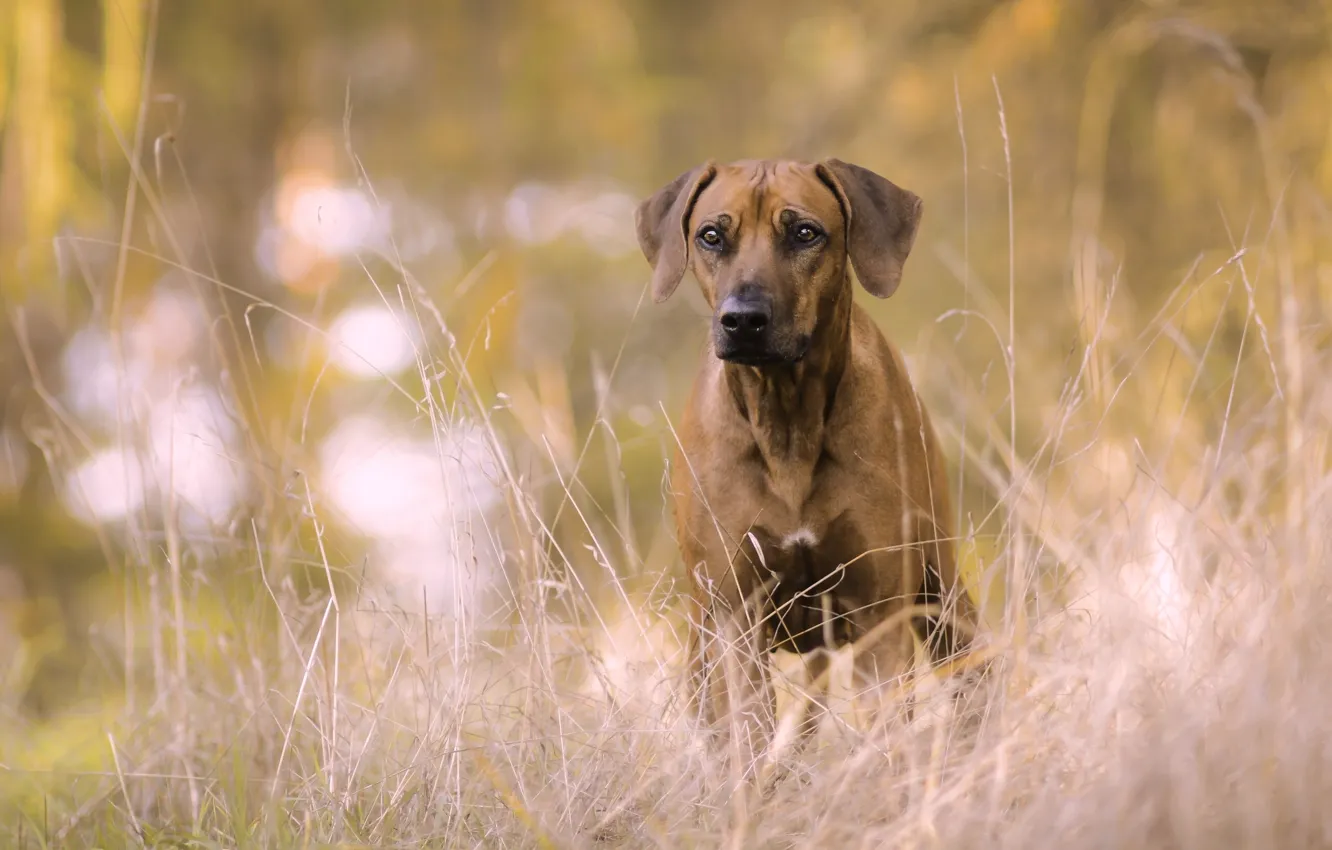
(788, 405)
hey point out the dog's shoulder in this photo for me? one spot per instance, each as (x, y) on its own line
(878, 363)
(709, 423)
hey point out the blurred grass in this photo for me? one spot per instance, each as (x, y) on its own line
(1117, 313)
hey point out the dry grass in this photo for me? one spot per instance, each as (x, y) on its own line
(1170, 690)
(1176, 697)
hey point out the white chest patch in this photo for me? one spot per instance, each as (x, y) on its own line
(800, 537)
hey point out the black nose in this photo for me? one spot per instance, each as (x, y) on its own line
(745, 319)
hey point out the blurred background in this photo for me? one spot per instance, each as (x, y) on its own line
(299, 295)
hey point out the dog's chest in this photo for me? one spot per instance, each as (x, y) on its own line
(791, 488)
(804, 549)
(813, 520)
(815, 585)
(797, 494)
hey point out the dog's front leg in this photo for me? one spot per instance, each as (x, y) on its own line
(882, 660)
(704, 684)
(745, 704)
(729, 686)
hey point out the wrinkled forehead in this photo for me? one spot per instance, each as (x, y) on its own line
(760, 190)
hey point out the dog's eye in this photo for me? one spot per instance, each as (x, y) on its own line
(806, 233)
(710, 236)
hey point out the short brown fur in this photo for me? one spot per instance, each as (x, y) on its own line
(816, 470)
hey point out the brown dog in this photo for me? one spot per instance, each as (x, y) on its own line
(811, 497)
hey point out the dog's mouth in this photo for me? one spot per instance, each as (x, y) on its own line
(750, 358)
(766, 356)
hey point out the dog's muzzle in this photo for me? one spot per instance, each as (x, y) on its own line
(743, 329)
(744, 333)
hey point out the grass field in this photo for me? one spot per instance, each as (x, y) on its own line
(1171, 690)
(1143, 518)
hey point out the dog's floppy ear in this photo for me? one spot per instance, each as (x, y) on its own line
(881, 223)
(661, 221)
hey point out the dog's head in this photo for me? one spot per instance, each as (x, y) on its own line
(769, 241)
